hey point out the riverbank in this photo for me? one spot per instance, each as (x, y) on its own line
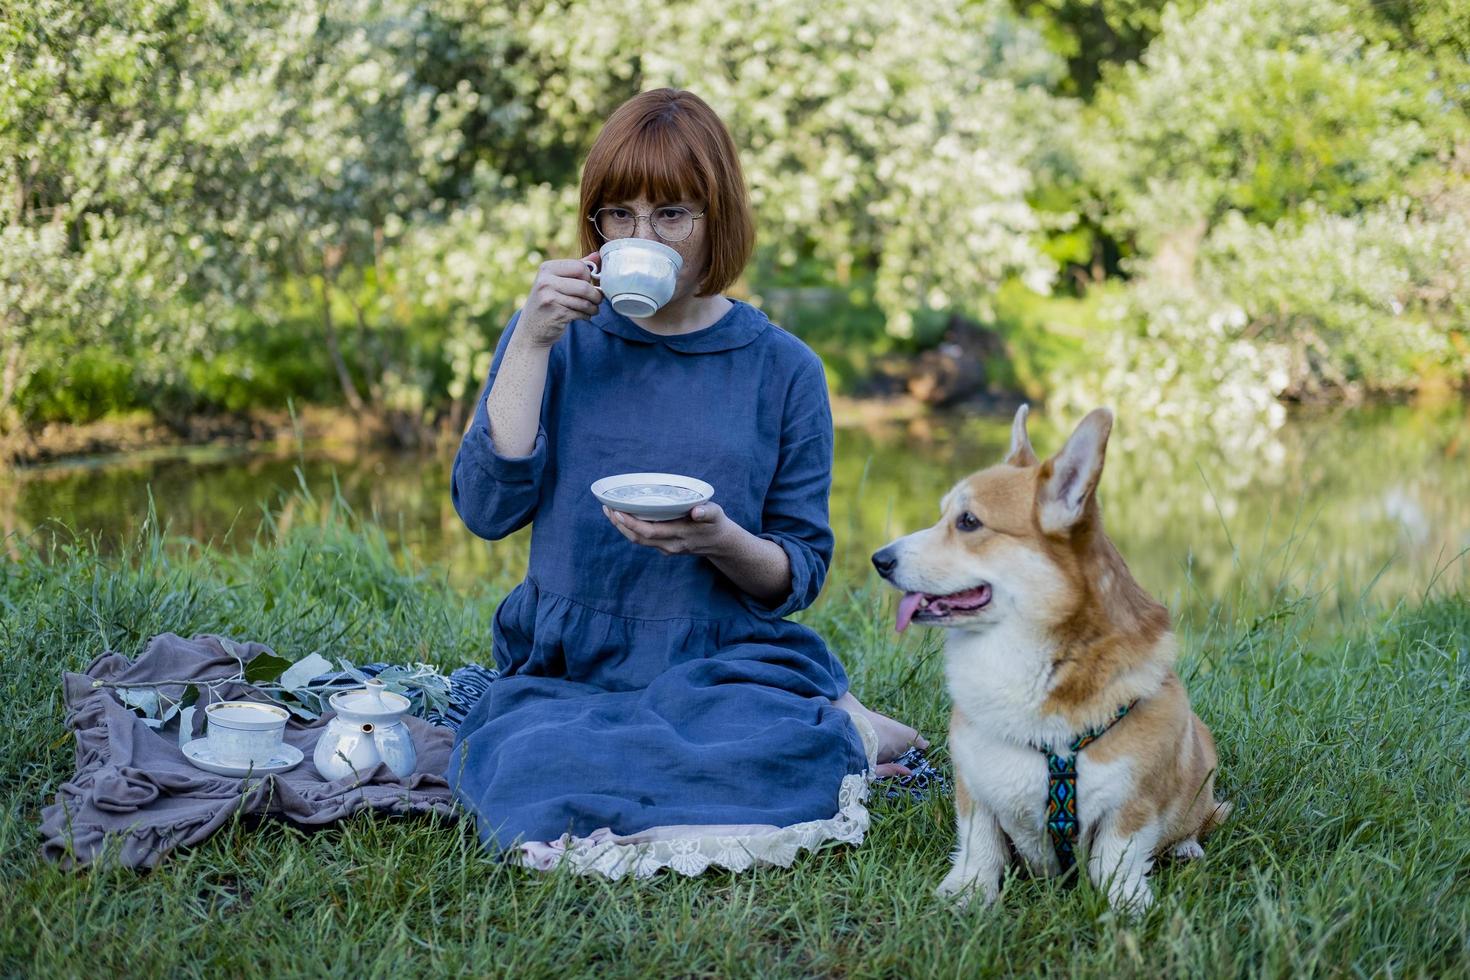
(256, 430)
(264, 431)
(1339, 765)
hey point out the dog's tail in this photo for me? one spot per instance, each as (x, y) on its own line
(1216, 817)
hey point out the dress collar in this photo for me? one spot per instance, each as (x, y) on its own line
(740, 325)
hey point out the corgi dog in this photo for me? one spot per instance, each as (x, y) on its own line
(1057, 663)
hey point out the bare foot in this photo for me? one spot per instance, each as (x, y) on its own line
(894, 738)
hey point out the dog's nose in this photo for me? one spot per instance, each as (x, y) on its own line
(885, 561)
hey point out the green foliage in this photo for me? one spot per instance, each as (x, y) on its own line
(1044, 335)
(1440, 30)
(229, 204)
(100, 230)
(1263, 107)
(398, 172)
(83, 388)
(264, 366)
(1295, 220)
(1370, 301)
(1092, 34)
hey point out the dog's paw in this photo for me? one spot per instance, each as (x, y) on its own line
(1188, 850)
(1131, 896)
(961, 889)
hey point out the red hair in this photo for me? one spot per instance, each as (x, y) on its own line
(668, 145)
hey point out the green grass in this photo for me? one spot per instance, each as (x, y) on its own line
(1342, 741)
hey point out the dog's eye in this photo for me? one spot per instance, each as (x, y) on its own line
(968, 522)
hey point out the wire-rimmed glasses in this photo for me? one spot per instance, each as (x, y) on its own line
(672, 223)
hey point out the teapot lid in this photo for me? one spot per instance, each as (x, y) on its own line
(372, 701)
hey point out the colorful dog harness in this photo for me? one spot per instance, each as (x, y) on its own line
(1061, 802)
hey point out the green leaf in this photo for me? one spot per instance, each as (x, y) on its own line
(352, 671)
(301, 673)
(305, 712)
(144, 699)
(266, 667)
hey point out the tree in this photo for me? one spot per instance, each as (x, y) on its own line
(1092, 34)
(1283, 180)
(98, 235)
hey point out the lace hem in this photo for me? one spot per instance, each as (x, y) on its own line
(692, 850)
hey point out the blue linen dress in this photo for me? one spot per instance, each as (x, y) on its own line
(638, 689)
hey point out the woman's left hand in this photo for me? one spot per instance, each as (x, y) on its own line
(706, 531)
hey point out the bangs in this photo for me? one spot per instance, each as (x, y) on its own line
(654, 161)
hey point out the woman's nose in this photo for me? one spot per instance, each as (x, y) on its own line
(643, 228)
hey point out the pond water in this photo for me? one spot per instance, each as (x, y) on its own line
(1339, 501)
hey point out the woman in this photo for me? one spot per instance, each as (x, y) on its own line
(655, 708)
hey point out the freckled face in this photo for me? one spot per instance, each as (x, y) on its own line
(694, 250)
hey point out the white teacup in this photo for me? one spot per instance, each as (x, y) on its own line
(245, 733)
(637, 275)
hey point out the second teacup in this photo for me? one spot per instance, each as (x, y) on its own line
(245, 733)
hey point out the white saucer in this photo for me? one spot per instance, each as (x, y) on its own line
(652, 496)
(197, 752)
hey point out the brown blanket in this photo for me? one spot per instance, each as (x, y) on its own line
(135, 796)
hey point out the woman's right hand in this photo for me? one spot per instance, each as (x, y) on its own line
(562, 292)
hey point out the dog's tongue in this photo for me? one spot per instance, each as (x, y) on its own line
(907, 606)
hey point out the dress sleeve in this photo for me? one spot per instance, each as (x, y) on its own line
(496, 495)
(794, 514)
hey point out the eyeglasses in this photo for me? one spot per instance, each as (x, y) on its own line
(672, 224)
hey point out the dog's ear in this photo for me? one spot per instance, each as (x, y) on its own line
(1069, 478)
(1021, 453)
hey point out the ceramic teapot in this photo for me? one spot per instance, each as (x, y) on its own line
(367, 729)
